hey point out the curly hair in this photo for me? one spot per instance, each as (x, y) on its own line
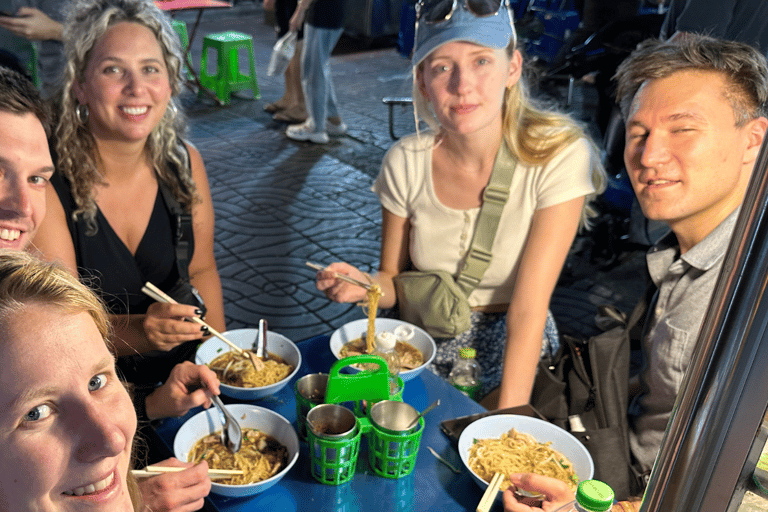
(533, 132)
(743, 67)
(77, 154)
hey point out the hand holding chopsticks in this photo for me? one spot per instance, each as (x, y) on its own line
(490, 493)
(158, 470)
(160, 296)
(343, 277)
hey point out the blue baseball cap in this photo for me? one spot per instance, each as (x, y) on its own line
(492, 31)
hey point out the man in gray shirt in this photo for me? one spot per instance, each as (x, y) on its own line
(695, 121)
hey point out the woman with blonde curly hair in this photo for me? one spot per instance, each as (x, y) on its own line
(130, 201)
(468, 87)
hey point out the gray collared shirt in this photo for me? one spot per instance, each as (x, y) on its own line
(685, 285)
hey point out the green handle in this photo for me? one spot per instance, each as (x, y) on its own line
(365, 385)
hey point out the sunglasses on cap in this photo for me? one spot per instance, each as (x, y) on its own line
(436, 11)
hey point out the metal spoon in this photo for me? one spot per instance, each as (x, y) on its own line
(231, 435)
(422, 413)
(261, 341)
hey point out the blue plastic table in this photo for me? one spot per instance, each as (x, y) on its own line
(431, 486)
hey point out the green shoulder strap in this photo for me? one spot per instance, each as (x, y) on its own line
(494, 198)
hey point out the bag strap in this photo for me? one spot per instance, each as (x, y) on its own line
(495, 197)
(181, 223)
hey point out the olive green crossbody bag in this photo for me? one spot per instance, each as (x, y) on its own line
(435, 300)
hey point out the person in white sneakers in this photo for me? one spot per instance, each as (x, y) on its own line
(322, 30)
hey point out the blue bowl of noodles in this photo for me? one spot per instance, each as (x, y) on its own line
(248, 416)
(277, 344)
(483, 450)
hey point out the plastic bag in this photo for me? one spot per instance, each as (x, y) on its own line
(282, 53)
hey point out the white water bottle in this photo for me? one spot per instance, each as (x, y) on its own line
(591, 496)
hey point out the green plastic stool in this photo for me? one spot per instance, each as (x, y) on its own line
(228, 77)
(181, 29)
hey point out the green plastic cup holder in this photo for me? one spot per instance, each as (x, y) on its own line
(393, 455)
(332, 462)
(365, 385)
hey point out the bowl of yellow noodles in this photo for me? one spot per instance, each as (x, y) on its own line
(511, 443)
(238, 377)
(269, 449)
(417, 352)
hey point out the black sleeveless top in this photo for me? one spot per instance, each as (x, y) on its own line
(107, 265)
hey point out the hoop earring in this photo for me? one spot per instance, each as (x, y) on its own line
(82, 113)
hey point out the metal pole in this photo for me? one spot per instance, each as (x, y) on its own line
(723, 397)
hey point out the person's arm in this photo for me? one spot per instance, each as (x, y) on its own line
(394, 257)
(32, 24)
(176, 492)
(297, 20)
(189, 385)
(203, 272)
(549, 239)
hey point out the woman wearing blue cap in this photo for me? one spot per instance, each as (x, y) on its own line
(468, 87)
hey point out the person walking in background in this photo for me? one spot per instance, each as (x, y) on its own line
(290, 107)
(322, 30)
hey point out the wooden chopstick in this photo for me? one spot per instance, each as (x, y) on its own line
(160, 296)
(157, 470)
(490, 493)
(343, 277)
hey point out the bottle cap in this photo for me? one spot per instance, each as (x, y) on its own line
(385, 341)
(594, 496)
(467, 353)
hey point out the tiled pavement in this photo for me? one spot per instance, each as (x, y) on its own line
(281, 203)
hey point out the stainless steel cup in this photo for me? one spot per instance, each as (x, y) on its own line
(310, 392)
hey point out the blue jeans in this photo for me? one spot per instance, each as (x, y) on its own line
(316, 82)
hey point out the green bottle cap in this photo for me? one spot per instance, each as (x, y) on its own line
(594, 496)
(467, 353)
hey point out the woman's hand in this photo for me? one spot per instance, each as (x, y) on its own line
(297, 20)
(338, 290)
(189, 385)
(32, 24)
(166, 325)
(556, 493)
(176, 492)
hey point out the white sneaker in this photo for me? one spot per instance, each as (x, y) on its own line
(335, 130)
(304, 131)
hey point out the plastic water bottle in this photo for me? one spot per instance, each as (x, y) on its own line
(591, 496)
(465, 375)
(385, 347)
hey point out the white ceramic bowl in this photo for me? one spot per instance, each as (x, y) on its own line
(353, 330)
(562, 441)
(276, 344)
(249, 416)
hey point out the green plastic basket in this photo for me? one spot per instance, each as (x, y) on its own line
(393, 455)
(332, 462)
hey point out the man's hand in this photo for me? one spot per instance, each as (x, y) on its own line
(189, 385)
(176, 492)
(32, 24)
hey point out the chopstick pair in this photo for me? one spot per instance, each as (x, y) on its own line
(343, 277)
(160, 296)
(157, 470)
(490, 493)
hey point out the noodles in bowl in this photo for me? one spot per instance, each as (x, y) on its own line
(248, 416)
(517, 452)
(260, 456)
(237, 370)
(277, 345)
(487, 445)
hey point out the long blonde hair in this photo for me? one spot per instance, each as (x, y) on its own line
(77, 155)
(533, 133)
